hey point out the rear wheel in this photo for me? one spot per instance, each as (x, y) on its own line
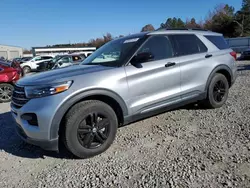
(26, 70)
(6, 92)
(90, 128)
(217, 91)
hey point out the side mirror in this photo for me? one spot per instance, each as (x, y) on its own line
(142, 58)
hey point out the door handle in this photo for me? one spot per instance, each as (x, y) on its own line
(208, 55)
(170, 64)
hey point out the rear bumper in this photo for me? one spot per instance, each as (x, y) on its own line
(51, 145)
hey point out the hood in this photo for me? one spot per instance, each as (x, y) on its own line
(60, 75)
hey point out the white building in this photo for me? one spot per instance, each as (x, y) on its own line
(62, 50)
(10, 52)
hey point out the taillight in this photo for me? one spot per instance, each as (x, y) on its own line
(234, 54)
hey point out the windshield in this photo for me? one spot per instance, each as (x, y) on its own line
(56, 58)
(112, 53)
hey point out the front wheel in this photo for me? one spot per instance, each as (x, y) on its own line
(6, 92)
(217, 91)
(90, 128)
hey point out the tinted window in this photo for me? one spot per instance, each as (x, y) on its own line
(46, 57)
(218, 41)
(159, 46)
(187, 45)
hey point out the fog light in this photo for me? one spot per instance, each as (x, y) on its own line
(31, 118)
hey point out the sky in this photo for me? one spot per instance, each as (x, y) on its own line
(33, 23)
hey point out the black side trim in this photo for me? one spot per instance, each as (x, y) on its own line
(140, 116)
(216, 69)
(78, 97)
(158, 105)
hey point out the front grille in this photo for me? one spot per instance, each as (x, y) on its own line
(18, 97)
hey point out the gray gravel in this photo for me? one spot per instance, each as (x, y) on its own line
(188, 147)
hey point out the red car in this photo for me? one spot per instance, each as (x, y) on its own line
(10, 72)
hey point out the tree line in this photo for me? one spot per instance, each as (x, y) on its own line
(223, 19)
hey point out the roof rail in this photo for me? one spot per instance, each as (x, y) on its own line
(198, 29)
(194, 29)
(176, 29)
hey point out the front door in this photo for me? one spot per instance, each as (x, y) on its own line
(155, 83)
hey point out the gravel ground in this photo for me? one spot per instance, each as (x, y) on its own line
(188, 147)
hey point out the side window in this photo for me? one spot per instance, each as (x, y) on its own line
(159, 46)
(188, 44)
(64, 60)
(38, 58)
(218, 41)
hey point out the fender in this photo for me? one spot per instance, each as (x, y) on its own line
(54, 129)
(216, 69)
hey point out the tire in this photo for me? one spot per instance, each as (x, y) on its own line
(217, 93)
(6, 92)
(79, 129)
(26, 70)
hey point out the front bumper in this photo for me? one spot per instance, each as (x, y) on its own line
(51, 145)
(39, 133)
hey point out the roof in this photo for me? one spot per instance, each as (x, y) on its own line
(182, 31)
(10, 46)
(63, 47)
(170, 31)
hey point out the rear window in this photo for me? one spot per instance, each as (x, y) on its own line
(218, 41)
(188, 44)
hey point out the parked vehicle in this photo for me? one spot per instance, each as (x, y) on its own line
(25, 59)
(245, 55)
(47, 65)
(60, 62)
(125, 80)
(18, 59)
(32, 64)
(9, 74)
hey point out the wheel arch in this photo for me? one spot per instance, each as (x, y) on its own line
(109, 97)
(26, 66)
(223, 69)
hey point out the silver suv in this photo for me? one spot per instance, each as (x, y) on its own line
(125, 80)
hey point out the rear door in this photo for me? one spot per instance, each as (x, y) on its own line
(193, 61)
(155, 83)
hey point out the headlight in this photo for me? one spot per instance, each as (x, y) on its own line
(46, 90)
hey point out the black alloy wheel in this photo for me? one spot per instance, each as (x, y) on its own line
(219, 91)
(93, 131)
(90, 128)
